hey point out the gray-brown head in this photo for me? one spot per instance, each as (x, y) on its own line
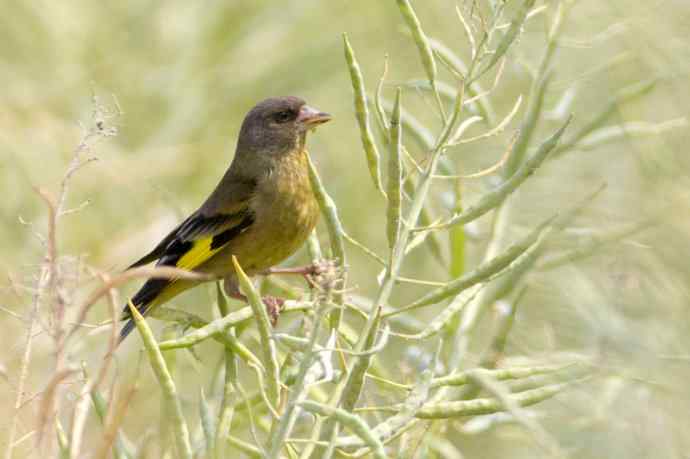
(277, 126)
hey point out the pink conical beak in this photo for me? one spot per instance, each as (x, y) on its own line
(311, 117)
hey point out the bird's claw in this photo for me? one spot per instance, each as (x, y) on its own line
(326, 275)
(319, 274)
(274, 306)
(319, 270)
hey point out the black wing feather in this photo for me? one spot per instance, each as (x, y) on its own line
(176, 249)
(159, 250)
(195, 225)
(224, 215)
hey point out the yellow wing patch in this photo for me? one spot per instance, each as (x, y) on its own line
(199, 253)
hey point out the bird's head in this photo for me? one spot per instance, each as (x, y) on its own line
(278, 126)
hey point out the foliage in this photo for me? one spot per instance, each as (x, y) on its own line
(456, 313)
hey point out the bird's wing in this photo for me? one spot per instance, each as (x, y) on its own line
(158, 251)
(207, 230)
(201, 237)
(195, 240)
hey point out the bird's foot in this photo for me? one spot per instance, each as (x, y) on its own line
(274, 306)
(310, 272)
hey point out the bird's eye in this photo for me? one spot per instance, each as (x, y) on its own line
(284, 116)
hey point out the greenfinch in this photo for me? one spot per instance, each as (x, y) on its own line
(261, 211)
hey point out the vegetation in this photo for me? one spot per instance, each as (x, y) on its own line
(502, 246)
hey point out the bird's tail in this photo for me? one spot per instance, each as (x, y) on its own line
(129, 326)
(148, 295)
(126, 330)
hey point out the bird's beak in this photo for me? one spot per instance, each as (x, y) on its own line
(310, 117)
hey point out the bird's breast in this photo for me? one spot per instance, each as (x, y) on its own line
(285, 212)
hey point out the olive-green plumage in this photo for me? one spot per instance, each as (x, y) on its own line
(261, 212)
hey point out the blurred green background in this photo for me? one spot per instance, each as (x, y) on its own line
(185, 73)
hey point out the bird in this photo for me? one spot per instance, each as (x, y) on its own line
(261, 211)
